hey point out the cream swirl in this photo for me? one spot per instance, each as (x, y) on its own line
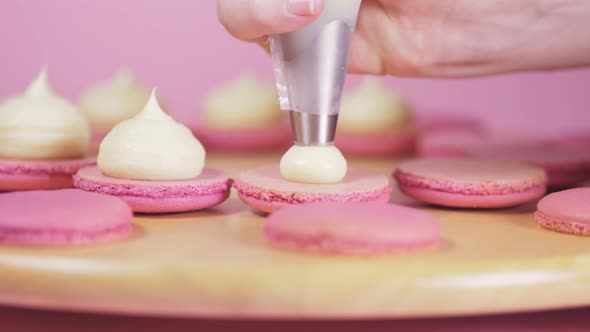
(243, 103)
(40, 125)
(151, 146)
(108, 103)
(313, 164)
(373, 108)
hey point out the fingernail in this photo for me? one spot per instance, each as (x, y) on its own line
(301, 7)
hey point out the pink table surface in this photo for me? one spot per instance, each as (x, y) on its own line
(20, 320)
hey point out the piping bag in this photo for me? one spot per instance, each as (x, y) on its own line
(310, 70)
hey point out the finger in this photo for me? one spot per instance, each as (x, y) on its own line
(253, 19)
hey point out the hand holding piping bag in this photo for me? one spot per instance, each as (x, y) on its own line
(436, 38)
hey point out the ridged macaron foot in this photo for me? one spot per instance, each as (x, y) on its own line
(209, 189)
(264, 189)
(470, 182)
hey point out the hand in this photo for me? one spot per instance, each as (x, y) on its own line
(436, 38)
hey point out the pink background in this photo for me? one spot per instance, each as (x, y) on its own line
(180, 47)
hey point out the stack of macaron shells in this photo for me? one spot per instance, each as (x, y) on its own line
(156, 165)
(566, 211)
(264, 189)
(64, 217)
(346, 229)
(44, 139)
(470, 182)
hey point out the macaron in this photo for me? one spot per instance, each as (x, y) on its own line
(211, 188)
(375, 121)
(565, 167)
(245, 139)
(471, 183)
(243, 114)
(344, 229)
(566, 211)
(264, 189)
(66, 217)
(17, 175)
(384, 144)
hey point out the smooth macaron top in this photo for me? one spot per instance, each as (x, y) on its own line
(571, 205)
(62, 210)
(473, 171)
(377, 225)
(269, 177)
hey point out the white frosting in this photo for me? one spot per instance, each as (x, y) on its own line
(243, 103)
(373, 108)
(111, 102)
(313, 164)
(151, 146)
(40, 125)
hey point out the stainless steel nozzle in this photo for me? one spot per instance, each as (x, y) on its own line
(310, 69)
(313, 129)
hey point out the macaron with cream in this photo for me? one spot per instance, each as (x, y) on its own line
(244, 115)
(310, 174)
(109, 102)
(44, 139)
(156, 165)
(374, 121)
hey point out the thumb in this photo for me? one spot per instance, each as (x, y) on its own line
(252, 19)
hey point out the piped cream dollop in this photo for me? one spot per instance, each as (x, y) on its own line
(151, 146)
(246, 102)
(40, 125)
(313, 164)
(373, 108)
(108, 103)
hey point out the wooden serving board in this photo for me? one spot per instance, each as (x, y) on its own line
(216, 263)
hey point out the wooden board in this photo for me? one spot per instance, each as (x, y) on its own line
(216, 263)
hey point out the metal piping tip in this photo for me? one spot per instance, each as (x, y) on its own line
(313, 129)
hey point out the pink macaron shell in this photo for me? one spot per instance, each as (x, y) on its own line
(245, 139)
(448, 143)
(386, 144)
(264, 189)
(565, 168)
(346, 229)
(211, 188)
(473, 201)
(471, 183)
(18, 175)
(62, 217)
(566, 211)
